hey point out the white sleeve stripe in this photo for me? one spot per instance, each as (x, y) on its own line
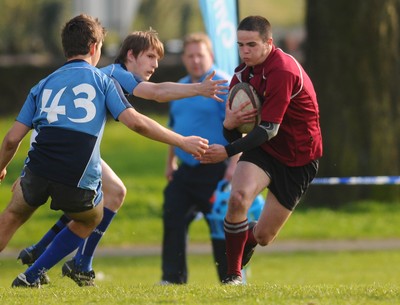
(301, 73)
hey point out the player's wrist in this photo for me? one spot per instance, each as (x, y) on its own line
(200, 89)
(227, 126)
(230, 150)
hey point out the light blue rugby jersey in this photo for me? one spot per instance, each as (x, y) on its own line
(68, 111)
(200, 116)
(126, 79)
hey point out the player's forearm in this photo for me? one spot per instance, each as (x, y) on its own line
(231, 134)
(255, 138)
(7, 152)
(149, 128)
(168, 91)
(11, 143)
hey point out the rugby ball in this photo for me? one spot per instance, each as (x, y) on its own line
(242, 93)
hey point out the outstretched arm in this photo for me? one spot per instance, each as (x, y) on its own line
(151, 129)
(10, 146)
(167, 91)
(260, 134)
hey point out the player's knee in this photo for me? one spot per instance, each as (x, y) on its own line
(121, 193)
(236, 202)
(115, 196)
(264, 239)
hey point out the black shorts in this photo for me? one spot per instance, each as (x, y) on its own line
(37, 190)
(288, 184)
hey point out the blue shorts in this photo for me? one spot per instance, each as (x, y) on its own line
(288, 184)
(37, 190)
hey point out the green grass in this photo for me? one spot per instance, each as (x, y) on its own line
(140, 164)
(308, 278)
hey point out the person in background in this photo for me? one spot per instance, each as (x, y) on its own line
(68, 110)
(136, 62)
(280, 154)
(191, 184)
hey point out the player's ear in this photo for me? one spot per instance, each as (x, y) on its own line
(130, 56)
(92, 49)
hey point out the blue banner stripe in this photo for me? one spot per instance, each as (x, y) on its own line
(367, 180)
(220, 21)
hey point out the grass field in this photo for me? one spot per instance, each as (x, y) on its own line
(309, 278)
(140, 164)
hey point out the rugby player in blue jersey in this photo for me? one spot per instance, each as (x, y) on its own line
(191, 184)
(136, 62)
(68, 111)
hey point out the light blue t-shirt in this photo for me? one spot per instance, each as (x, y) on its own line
(126, 79)
(199, 116)
(68, 111)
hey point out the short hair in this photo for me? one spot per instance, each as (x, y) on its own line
(198, 37)
(256, 24)
(140, 41)
(79, 33)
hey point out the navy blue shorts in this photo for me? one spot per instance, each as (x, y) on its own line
(37, 190)
(288, 184)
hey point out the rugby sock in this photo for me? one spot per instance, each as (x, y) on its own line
(49, 236)
(84, 256)
(251, 240)
(235, 236)
(63, 244)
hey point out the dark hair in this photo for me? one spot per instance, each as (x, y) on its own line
(138, 42)
(79, 33)
(256, 24)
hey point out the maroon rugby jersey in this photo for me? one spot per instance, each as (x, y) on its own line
(289, 99)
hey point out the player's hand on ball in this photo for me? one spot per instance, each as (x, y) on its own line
(244, 97)
(236, 117)
(211, 88)
(214, 154)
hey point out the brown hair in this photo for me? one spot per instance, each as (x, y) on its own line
(79, 33)
(140, 41)
(256, 24)
(198, 37)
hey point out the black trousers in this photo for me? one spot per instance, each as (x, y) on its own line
(187, 194)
